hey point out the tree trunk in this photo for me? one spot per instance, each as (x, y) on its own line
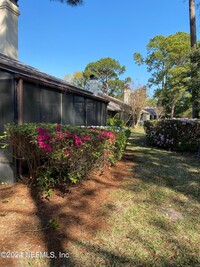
(138, 118)
(193, 34)
(193, 42)
(172, 110)
(133, 121)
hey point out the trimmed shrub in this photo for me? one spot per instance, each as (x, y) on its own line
(57, 154)
(174, 134)
(115, 121)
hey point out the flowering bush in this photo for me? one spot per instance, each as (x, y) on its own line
(56, 154)
(174, 134)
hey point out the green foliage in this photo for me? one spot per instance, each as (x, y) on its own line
(77, 79)
(151, 102)
(53, 223)
(194, 82)
(168, 61)
(107, 71)
(56, 155)
(176, 134)
(115, 121)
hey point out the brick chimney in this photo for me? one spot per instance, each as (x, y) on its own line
(127, 94)
(9, 13)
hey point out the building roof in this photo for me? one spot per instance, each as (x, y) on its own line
(113, 107)
(146, 112)
(151, 111)
(115, 104)
(31, 74)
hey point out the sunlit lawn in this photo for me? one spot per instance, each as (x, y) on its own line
(154, 218)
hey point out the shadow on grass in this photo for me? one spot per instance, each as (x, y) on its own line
(178, 171)
(179, 255)
(107, 258)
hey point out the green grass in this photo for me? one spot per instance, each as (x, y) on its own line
(155, 217)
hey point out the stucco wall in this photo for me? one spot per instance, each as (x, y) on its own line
(9, 28)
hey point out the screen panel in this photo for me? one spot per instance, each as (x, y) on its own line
(67, 109)
(79, 110)
(6, 99)
(50, 106)
(31, 103)
(103, 114)
(90, 114)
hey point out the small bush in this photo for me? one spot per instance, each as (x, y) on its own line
(115, 121)
(174, 134)
(56, 154)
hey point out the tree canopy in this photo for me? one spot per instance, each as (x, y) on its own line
(107, 72)
(76, 79)
(194, 81)
(138, 100)
(168, 62)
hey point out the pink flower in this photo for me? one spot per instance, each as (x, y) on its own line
(58, 128)
(46, 136)
(67, 152)
(43, 145)
(107, 166)
(86, 138)
(47, 147)
(77, 140)
(100, 136)
(40, 138)
(62, 135)
(40, 130)
(68, 134)
(107, 135)
(106, 153)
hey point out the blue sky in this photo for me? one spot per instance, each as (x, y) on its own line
(59, 39)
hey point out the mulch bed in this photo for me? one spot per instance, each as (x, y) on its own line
(79, 213)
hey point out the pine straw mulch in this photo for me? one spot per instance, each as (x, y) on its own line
(78, 214)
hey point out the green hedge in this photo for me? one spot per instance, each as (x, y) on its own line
(174, 134)
(56, 154)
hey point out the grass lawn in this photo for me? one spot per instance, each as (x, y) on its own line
(145, 211)
(154, 217)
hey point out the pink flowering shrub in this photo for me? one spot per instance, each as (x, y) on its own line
(174, 134)
(56, 154)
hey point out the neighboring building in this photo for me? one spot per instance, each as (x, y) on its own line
(116, 106)
(148, 113)
(152, 112)
(29, 95)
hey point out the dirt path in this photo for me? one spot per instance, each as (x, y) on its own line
(78, 214)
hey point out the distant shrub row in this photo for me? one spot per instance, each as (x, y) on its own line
(56, 154)
(174, 134)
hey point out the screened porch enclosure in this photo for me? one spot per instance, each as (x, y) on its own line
(28, 95)
(24, 99)
(42, 104)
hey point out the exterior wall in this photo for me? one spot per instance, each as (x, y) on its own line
(145, 117)
(9, 28)
(7, 170)
(7, 173)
